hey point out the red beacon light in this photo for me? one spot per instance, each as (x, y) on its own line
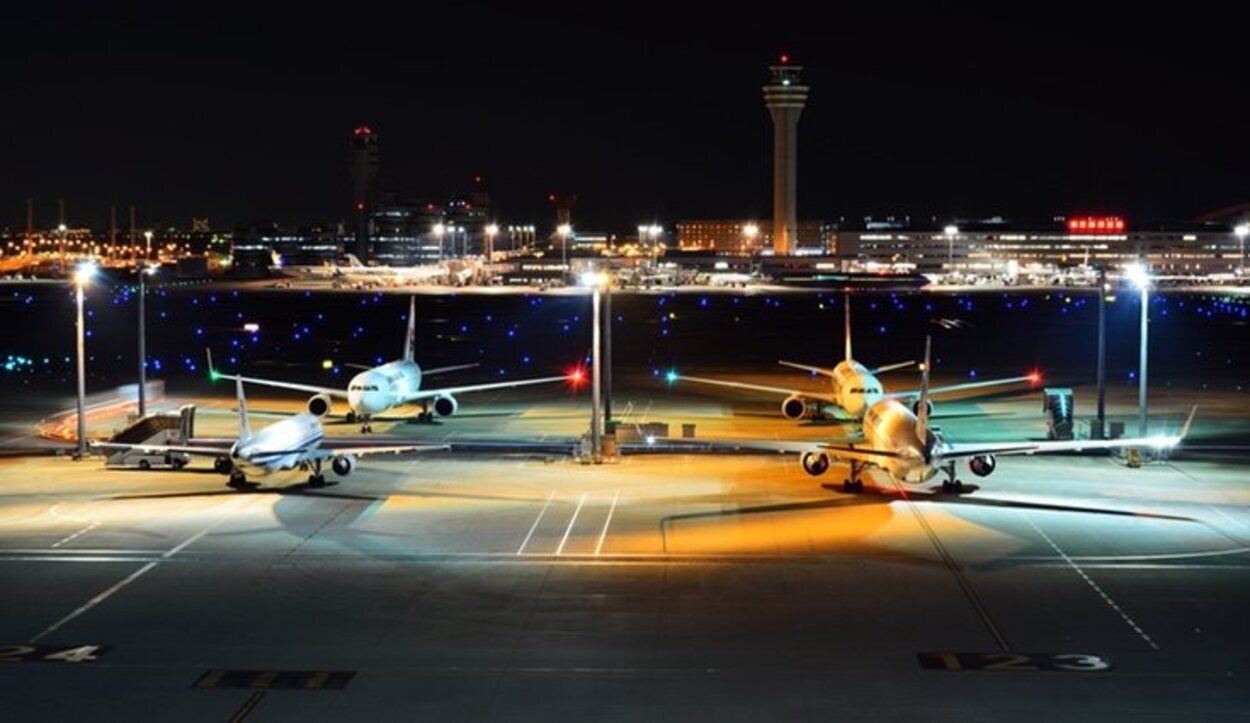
(785, 59)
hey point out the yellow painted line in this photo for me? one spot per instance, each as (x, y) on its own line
(316, 680)
(265, 679)
(211, 679)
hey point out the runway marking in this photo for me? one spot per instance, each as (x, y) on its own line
(76, 535)
(126, 581)
(572, 520)
(603, 535)
(1101, 593)
(534, 526)
(956, 571)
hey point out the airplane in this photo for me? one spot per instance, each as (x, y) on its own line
(293, 443)
(855, 387)
(377, 389)
(903, 444)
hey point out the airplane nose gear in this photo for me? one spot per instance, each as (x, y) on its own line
(854, 483)
(316, 479)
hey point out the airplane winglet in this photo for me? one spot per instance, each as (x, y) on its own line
(212, 370)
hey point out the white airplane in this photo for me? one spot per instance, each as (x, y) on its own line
(378, 389)
(291, 444)
(903, 444)
(855, 387)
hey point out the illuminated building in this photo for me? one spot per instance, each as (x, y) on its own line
(995, 245)
(785, 96)
(364, 173)
(746, 237)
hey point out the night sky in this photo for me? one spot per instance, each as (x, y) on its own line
(946, 110)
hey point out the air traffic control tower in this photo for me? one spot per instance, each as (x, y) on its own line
(785, 97)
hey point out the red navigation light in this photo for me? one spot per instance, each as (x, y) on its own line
(363, 131)
(576, 377)
(477, 179)
(1034, 377)
(360, 207)
(785, 58)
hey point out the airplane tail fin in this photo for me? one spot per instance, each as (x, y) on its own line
(245, 425)
(1188, 421)
(922, 405)
(353, 261)
(410, 341)
(846, 323)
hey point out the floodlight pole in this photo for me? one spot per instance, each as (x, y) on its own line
(81, 450)
(1102, 354)
(607, 353)
(1141, 380)
(596, 442)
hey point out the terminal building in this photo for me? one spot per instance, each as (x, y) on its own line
(997, 246)
(749, 237)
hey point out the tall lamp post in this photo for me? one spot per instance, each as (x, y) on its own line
(951, 232)
(1102, 353)
(1242, 230)
(1139, 277)
(491, 230)
(596, 281)
(565, 230)
(439, 229)
(144, 269)
(82, 276)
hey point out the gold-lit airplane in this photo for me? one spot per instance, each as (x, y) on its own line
(902, 443)
(855, 387)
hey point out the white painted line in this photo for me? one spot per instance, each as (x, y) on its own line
(604, 535)
(1101, 593)
(76, 535)
(125, 581)
(534, 526)
(572, 521)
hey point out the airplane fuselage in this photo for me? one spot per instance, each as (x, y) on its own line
(281, 446)
(889, 426)
(378, 389)
(855, 388)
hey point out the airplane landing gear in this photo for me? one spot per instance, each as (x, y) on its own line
(952, 484)
(366, 425)
(351, 417)
(854, 483)
(238, 481)
(316, 479)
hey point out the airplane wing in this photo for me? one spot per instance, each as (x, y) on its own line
(310, 388)
(433, 393)
(444, 370)
(806, 368)
(915, 393)
(819, 396)
(974, 449)
(161, 448)
(844, 452)
(324, 452)
(891, 367)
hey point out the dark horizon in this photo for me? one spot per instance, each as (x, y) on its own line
(934, 111)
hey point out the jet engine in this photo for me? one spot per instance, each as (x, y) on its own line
(446, 405)
(343, 465)
(982, 465)
(915, 407)
(222, 465)
(815, 463)
(794, 408)
(319, 405)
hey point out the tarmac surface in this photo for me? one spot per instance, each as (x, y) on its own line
(480, 586)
